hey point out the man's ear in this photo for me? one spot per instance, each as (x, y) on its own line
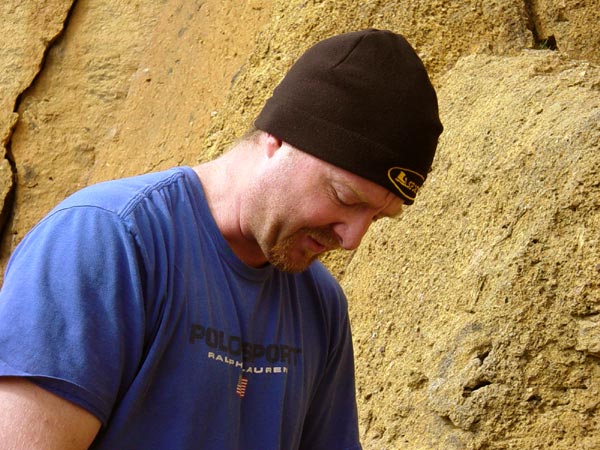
(271, 144)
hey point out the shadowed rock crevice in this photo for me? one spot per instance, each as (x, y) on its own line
(9, 196)
(540, 42)
(470, 388)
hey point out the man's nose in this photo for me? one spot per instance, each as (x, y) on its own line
(352, 231)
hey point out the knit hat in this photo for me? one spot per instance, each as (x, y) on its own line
(363, 102)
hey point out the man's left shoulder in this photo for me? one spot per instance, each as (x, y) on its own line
(318, 270)
(325, 283)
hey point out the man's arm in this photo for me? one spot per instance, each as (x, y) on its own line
(34, 419)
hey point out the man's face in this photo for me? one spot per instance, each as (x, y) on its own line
(309, 207)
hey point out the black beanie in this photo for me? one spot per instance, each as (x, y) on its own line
(363, 102)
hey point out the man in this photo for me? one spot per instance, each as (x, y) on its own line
(184, 309)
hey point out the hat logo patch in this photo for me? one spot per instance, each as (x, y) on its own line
(406, 181)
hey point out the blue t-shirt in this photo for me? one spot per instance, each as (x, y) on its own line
(127, 300)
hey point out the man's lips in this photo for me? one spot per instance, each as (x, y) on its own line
(320, 241)
(314, 245)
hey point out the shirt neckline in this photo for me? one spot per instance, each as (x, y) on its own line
(225, 251)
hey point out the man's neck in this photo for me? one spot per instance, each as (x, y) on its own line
(224, 187)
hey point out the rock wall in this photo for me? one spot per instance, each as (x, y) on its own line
(127, 87)
(476, 316)
(27, 32)
(482, 329)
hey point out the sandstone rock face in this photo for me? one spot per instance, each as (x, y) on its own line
(476, 316)
(440, 32)
(482, 326)
(27, 31)
(114, 97)
(569, 25)
(197, 49)
(70, 110)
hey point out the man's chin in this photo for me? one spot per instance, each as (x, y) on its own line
(295, 253)
(289, 263)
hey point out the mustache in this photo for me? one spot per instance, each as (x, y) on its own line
(324, 236)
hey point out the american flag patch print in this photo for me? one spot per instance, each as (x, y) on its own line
(240, 389)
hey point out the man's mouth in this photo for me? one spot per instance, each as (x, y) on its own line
(314, 245)
(320, 241)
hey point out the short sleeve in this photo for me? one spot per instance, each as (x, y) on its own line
(71, 309)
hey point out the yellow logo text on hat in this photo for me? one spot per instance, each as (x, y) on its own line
(406, 181)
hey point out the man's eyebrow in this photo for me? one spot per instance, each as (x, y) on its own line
(362, 199)
(359, 195)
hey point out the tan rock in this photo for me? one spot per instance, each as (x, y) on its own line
(483, 285)
(571, 25)
(588, 339)
(196, 51)
(69, 111)
(27, 29)
(129, 88)
(440, 31)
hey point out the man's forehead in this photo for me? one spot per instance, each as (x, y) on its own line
(366, 190)
(359, 184)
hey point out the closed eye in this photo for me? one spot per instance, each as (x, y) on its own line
(346, 197)
(341, 199)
